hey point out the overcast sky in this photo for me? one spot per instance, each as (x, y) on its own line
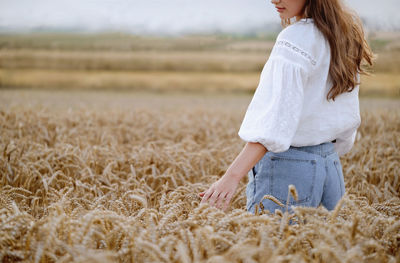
(165, 16)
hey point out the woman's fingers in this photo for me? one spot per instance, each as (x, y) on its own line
(206, 195)
(213, 198)
(227, 201)
(220, 200)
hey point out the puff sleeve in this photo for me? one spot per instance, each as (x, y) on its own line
(274, 112)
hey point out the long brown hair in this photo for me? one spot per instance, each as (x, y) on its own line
(349, 50)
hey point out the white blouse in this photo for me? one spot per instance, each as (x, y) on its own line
(289, 106)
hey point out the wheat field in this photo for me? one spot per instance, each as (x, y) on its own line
(114, 177)
(142, 63)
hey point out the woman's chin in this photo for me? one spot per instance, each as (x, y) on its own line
(282, 16)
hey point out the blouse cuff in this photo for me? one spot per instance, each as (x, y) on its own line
(343, 146)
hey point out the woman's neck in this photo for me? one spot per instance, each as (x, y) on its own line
(300, 17)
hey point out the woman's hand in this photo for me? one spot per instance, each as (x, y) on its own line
(220, 191)
(225, 187)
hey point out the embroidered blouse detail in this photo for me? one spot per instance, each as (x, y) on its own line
(287, 44)
(289, 106)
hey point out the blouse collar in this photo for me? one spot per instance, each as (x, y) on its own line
(308, 19)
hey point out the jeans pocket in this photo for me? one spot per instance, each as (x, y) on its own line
(299, 172)
(339, 171)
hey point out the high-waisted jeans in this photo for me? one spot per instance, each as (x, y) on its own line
(315, 171)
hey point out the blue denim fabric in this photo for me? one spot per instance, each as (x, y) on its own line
(315, 171)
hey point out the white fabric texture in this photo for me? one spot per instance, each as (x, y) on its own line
(289, 106)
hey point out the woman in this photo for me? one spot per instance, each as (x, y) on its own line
(305, 111)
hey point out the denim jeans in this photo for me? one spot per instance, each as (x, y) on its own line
(315, 171)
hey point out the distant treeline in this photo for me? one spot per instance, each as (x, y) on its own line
(195, 62)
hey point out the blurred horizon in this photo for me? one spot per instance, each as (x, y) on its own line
(175, 17)
(161, 47)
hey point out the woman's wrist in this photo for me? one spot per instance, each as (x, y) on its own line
(233, 174)
(248, 157)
